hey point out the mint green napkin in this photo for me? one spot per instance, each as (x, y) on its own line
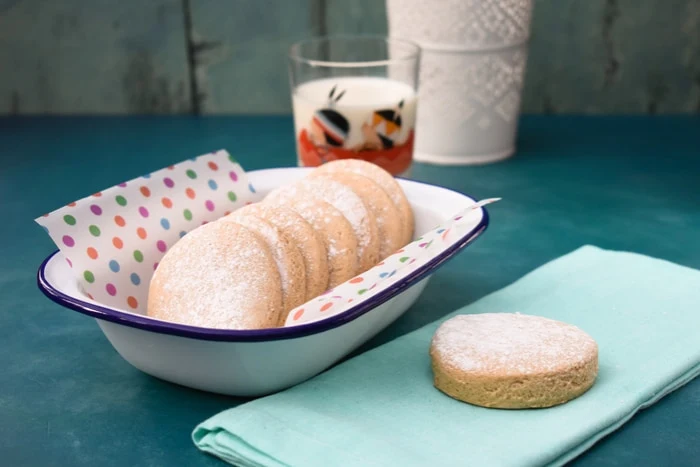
(381, 408)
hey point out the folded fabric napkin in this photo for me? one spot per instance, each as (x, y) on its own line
(381, 408)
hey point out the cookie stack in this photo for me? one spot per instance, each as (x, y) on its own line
(249, 269)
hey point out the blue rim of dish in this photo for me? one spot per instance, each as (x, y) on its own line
(255, 335)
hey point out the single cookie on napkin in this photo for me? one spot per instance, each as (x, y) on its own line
(381, 408)
(512, 361)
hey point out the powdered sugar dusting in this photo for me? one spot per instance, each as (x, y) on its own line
(387, 215)
(341, 198)
(274, 240)
(307, 240)
(321, 215)
(372, 171)
(511, 344)
(332, 226)
(218, 276)
(285, 219)
(347, 202)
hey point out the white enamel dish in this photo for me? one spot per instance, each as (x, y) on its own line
(258, 362)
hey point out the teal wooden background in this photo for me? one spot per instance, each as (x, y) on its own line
(228, 56)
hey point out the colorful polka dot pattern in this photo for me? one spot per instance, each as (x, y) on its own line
(402, 265)
(115, 238)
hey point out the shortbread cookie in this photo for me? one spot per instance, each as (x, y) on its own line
(332, 226)
(390, 229)
(287, 256)
(512, 361)
(350, 205)
(220, 275)
(300, 232)
(382, 178)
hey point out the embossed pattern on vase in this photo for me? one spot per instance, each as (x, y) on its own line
(471, 77)
(466, 94)
(467, 24)
(491, 85)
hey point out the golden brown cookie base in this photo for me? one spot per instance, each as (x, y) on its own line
(515, 392)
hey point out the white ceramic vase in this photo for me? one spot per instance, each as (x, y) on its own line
(471, 75)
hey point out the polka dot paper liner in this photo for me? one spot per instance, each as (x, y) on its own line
(391, 270)
(114, 239)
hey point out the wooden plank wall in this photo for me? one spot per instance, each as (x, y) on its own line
(228, 56)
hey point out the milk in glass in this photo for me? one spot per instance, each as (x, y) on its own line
(368, 118)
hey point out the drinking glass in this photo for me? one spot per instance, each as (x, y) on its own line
(355, 97)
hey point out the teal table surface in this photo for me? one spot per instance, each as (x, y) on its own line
(67, 398)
